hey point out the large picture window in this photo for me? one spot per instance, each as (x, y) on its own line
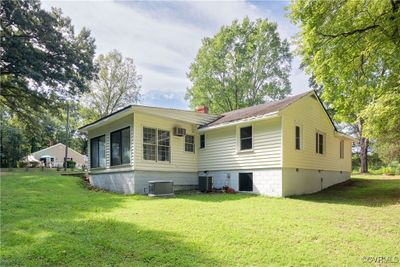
(98, 152)
(120, 147)
(156, 145)
(189, 143)
(246, 138)
(319, 143)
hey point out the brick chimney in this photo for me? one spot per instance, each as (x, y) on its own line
(202, 109)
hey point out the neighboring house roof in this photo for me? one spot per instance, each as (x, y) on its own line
(59, 146)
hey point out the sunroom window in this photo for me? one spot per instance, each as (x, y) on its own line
(98, 152)
(120, 147)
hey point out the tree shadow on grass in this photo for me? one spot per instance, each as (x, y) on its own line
(214, 197)
(359, 192)
(44, 223)
(99, 243)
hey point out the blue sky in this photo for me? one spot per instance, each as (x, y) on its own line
(163, 37)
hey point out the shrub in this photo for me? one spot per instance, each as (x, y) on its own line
(22, 164)
(34, 164)
(71, 164)
(389, 171)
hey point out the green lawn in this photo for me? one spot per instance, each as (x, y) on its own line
(51, 220)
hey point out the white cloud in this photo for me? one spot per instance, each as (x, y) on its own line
(163, 38)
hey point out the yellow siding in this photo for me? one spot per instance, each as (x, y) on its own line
(310, 116)
(181, 161)
(221, 151)
(106, 130)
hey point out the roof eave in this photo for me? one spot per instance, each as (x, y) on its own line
(112, 117)
(242, 121)
(342, 135)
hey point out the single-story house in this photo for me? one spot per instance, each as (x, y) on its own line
(282, 148)
(53, 156)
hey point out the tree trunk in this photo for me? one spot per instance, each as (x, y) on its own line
(363, 154)
(364, 142)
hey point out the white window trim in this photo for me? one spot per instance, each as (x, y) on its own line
(170, 146)
(194, 144)
(341, 152)
(324, 145)
(205, 141)
(238, 127)
(301, 137)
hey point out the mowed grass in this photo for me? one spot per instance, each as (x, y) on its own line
(51, 220)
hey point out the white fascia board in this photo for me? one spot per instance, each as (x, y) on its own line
(342, 135)
(242, 121)
(107, 120)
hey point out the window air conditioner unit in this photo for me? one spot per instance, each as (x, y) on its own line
(179, 131)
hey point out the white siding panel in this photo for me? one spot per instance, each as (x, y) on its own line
(221, 151)
(309, 114)
(181, 161)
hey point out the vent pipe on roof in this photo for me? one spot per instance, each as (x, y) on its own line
(202, 109)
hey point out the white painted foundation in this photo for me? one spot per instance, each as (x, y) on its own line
(136, 182)
(306, 181)
(265, 182)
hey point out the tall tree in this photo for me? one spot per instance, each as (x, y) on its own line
(117, 85)
(351, 48)
(244, 64)
(41, 58)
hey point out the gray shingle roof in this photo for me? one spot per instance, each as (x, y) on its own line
(257, 110)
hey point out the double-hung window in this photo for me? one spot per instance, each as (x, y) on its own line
(189, 143)
(342, 149)
(98, 152)
(319, 143)
(246, 138)
(149, 143)
(156, 145)
(120, 147)
(298, 137)
(202, 141)
(163, 146)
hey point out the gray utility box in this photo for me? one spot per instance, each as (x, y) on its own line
(205, 183)
(161, 188)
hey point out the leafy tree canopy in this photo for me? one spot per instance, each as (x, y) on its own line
(42, 60)
(117, 85)
(352, 48)
(244, 64)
